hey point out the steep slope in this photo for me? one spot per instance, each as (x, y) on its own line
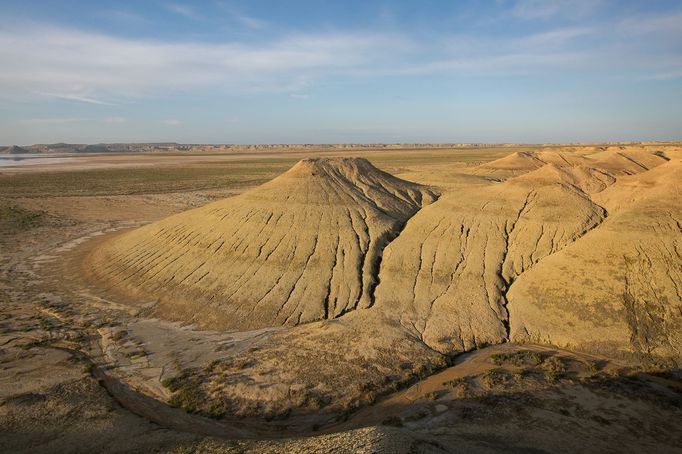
(618, 290)
(302, 247)
(448, 273)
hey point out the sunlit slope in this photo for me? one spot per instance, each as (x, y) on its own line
(302, 247)
(447, 274)
(619, 288)
(579, 248)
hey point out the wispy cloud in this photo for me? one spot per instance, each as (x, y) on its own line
(172, 122)
(75, 97)
(668, 75)
(245, 20)
(87, 67)
(250, 22)
(545, 9)
(125, 16)
(101, 69)
(185, 11)
(668, 24)
(554, 38)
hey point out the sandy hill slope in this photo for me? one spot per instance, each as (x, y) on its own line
(302, 247)
(513, 164)
(625, 160)
(619, 288)
(582, 178)
(448, 272)
(566, 250)
(627, 163)
(562, 251)
(562, 158)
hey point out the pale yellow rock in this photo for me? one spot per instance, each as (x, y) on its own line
(617, 290)
(302, 247)
(578, 247)
(446, 275)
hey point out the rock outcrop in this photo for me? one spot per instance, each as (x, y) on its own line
(618, 290)
(582, 249)
(448, 273)
(305, 246)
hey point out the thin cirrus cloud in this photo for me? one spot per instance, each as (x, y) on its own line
(664, 24)
(74, 96)
(42, 61)
(185, 11)
(123, 16)
(96, 68)
(249, 22)
(545, 9)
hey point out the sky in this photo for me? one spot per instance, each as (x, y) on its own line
(353, 71)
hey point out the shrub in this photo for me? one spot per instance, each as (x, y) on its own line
(495, 378)
(432, 395)
(518, 359)
(394, 421)
(553, 368)
(118, 335)
(455, 382)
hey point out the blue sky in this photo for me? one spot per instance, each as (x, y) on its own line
(331, 71)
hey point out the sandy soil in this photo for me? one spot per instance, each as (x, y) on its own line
(83, 369)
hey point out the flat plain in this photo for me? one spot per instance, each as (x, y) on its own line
(465, 299)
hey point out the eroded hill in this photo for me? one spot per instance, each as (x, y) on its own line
(619, 289)
(447, 274)
(303, 247)
(579, 249)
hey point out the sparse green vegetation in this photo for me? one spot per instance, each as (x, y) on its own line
(455, 382)
(434, 395)
(553, 368)
(188, 394)
(13, 218)
(496, 378)
(517, 359)
(147, 180)
(36, 343)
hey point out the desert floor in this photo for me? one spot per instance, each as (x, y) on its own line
(82, 369)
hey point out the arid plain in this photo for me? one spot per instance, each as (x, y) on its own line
(430, 299)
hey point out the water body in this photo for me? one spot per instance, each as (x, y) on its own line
(32, 159)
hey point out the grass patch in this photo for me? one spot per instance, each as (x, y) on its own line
(496, 378)
(233, 174)
(432, 395)
(13, 218)
(36, 343)
(517, 359)
(553, 368)
(188, 394)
